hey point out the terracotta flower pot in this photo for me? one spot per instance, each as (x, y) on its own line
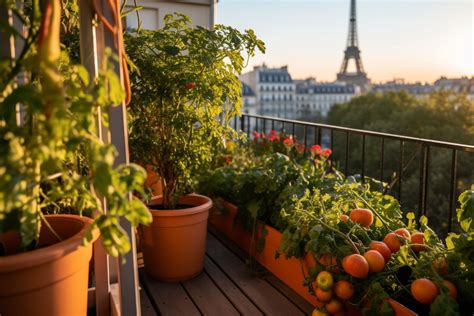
(51, 280)
(174, 244)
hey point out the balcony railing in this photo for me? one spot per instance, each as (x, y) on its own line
(351, 151)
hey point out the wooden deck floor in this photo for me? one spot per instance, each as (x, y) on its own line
(226, 287)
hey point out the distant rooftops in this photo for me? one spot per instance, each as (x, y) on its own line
(247, 90)
(273, 75)
(325, 88)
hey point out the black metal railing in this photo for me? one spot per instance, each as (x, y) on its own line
(384, 145)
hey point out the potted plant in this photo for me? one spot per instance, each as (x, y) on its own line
(185, 91)
(54, 171)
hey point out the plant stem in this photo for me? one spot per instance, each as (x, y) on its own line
(49, 226)
(344, 236)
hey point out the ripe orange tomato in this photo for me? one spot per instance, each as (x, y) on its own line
(424, 291)
(440, 265)
(323, 296)
(334, 306)
(319, 304)
(391, 240)
(343, 217)
(382, 248)
(376, 260)
(324, 280)
(403, 232)
(190, 85)
(453, 291)
(344, 289)
(319, 312)
(356, 266)
(362, 216)
(418, 238)
(327, 260)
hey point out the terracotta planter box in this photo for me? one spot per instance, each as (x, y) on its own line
(290, 271)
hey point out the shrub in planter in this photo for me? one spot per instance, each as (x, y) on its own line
(185, 91)
(54, 164)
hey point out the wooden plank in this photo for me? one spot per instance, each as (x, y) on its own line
(90, 60)
(115, 300)
(302, 304)
(147, 306)
(269, 300)
(233, 293)
(207, 296)
(170, 298)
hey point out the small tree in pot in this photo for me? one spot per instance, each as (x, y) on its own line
(185, 92)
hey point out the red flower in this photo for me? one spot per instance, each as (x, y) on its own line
(300, 148)
(190, 85)
(256, 135)
(273, 138)
(273, 132)
(327, 152)
(315, 150)
(227, 159)
(288, 141)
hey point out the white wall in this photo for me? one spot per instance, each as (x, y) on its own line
(201, 12)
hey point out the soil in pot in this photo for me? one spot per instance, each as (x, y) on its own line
(174, 245)
(51, 280)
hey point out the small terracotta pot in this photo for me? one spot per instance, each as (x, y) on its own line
(174, 245)
(51, 280)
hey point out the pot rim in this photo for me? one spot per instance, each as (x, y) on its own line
(199, 208)
(40, 256)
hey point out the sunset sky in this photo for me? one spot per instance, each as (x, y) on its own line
(418, 40)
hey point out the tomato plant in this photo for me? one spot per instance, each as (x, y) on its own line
(344, 224)
(54, 162)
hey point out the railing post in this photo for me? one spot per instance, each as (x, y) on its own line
(452, 193)
(362, 173)
(425, 158)
(242, 123)
(400, 170)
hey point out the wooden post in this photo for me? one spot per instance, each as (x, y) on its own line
(91, 58)
(94, 39)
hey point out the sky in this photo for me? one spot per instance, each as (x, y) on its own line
(418, 40)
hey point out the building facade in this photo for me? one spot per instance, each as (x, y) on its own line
(274, 90)
(314, 100)
(201, 12)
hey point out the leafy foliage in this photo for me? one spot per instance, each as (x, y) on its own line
(54, 161)
(185, 91)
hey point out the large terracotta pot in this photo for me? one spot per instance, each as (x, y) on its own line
(51, 280)
(174, 245)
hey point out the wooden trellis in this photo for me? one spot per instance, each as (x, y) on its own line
(97, 35)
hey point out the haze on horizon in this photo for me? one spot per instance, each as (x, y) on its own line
(418, 40)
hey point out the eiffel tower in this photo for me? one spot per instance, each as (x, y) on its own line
(353, 52)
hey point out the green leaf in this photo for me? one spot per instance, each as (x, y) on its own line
(465, 213)
(444, 305)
